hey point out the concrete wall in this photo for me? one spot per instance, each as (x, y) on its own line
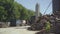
(56, 6)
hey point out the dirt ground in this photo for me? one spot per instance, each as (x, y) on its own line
(16, 30)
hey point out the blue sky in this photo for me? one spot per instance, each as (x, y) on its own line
(30, 4)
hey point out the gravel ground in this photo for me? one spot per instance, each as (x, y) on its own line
(16, 30)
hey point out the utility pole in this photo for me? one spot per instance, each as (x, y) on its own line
(37, 11)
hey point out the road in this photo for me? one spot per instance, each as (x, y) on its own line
(16, 30)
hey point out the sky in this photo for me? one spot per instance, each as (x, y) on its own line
(30, 4)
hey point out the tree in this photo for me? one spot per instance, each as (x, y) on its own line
(30, 14)
(23, 14)
(10, 9)
(6, 9)
(3, 14)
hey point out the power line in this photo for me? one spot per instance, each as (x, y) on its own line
(48, 7)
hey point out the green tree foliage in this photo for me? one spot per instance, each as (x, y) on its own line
(21, 12)
(24, 14)
(31, 13)
(3, 14)
(10, 9)
(16, 11)
(6, 9)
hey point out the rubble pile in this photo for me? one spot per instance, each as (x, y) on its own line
(44, 33)
(35, 27)
(3, 25)
(38, 25)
